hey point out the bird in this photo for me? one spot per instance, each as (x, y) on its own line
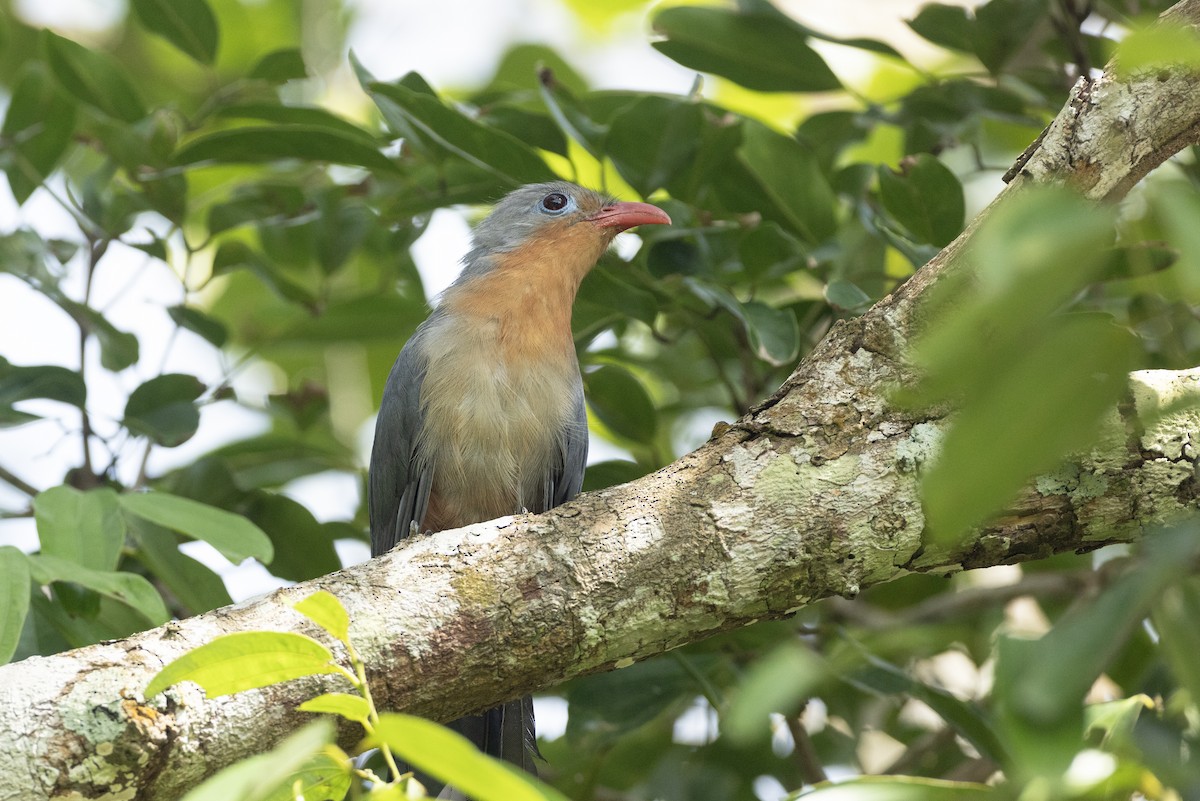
(483, 412)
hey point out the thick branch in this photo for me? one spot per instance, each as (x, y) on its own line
(815, 493)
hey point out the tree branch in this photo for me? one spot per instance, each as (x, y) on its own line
(812, 494)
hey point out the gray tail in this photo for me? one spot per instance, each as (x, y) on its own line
(505, 732)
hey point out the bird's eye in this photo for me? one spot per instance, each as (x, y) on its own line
(555, 203)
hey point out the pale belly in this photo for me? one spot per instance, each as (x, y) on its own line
(493, 435)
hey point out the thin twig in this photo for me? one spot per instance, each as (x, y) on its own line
(806, 753)
(12, 479)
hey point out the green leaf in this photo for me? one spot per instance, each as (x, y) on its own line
(118, 349)
(778, 682)
(199, 323)
(352, 707)
(37, 129)
(489, 149)
(1174, 619)
(269, 776)
(1077, 363)
(1126, 262)
(245, 660)
(1114, 721)
(303, 549)
(451, 758)
(19, 383)
(324, 609)
(571, 116)
(897, 788)
(128, 588)
(945, 25)
(92, 77)
(790, 178)
(298, 115)
(926, 198)
(14, 599)
(280, 66)
(608, 474)
(774, 333)
(653, 140)
(82, 527)
(843, 294)
(190, 25)
(234, 255)
(164, 409)
(265, 143)
(1162, 45)
(620, 402)
(1002, 29)
(759, 51)
(195, 585)
(233, 535)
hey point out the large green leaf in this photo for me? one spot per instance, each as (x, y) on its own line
(37, 130)
(130, 589)
(118, 349)
(298, 115)
(303, 548)
(757, 50)
(233, 535)
(926, 198)
(245, 660)
(487, 148)
(789, 177)
(264, 143)
(190, 25)
(18, 383)
(451, 758)
(195, 585)
(14, 599)
(82, 527)
(897, 788)
(653, 140)
(621, 403)
(164, 409)
(92, 77)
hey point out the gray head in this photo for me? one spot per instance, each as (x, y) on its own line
(549, 211)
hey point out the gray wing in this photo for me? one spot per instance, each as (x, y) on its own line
(398, 485)
(566, 479)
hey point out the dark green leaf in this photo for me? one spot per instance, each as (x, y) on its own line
(14, 599)
(571, 116)
(1135, 261)
(130, 589)
(535, 130)
(926, 198)
(789, 176)
(37, 130)
(1003, 27)
(233, 535)
(487, 148)
(768, 250)
(653, 140)
(449, 757)
(774, 333)
(164, 409)
(758, 51)
(843, 294)
(265, 143)
(234, 255)
(280, 66)
(196, 321)
(40, 381)
(190, 25)
(92, 77)
(245, 660)
(608, 474)
(196, 586)
(1174, 619)
(83, 527)
(778, 682)
(620, 402)
(303, 549)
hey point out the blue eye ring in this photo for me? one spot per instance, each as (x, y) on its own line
(555, 203)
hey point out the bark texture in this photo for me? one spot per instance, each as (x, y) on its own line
(813, 494)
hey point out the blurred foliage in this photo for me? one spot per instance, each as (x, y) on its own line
(198, 135)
